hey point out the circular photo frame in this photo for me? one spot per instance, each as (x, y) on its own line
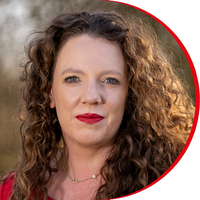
(174, 181)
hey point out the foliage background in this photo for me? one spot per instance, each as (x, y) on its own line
(17, 19)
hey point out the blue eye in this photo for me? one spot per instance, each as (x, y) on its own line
(71, 79)
(112, 81)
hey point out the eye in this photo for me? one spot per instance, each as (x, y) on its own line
(72, 79)
(112, 81)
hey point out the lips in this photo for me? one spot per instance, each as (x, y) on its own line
(89, 118)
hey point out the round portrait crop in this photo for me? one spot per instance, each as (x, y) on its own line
(103, 112)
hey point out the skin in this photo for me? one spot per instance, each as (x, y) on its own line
(89, 77)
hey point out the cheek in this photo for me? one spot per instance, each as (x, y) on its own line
(67, 101)
(116, 107)
(63, 105)
(66, 97)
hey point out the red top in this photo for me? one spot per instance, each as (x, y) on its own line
(6, 189)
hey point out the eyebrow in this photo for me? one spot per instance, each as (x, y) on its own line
(111, 72)
(73, 70)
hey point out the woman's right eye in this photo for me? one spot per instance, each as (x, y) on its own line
(71, 79)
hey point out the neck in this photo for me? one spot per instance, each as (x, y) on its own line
(82, 162)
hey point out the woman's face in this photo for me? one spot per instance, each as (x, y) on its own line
(89, 90)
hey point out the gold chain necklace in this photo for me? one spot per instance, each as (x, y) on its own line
(75, 180)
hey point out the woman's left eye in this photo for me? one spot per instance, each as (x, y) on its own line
(112, 81)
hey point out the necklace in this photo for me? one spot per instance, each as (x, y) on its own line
(75, 180)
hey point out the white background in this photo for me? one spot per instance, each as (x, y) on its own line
(182, 17)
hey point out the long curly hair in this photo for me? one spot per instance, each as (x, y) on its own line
(157, 119)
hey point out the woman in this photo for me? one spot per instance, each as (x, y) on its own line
(105, 114)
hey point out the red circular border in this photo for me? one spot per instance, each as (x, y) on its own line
(196, 85)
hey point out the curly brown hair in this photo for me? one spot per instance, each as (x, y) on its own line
(158, 114)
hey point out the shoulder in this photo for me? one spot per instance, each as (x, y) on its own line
(6, 187)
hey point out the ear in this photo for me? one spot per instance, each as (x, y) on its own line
(52, 100)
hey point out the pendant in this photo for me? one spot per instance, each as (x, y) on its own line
(74, 180)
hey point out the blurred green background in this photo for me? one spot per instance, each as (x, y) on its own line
(17, 19)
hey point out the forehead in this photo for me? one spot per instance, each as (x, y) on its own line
(86, 51)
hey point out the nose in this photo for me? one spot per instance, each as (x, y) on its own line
(91, 93)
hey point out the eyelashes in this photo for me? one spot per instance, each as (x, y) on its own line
(75, 79)
(71, 79)
(112, 81)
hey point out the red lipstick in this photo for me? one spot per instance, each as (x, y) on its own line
(89, 118)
